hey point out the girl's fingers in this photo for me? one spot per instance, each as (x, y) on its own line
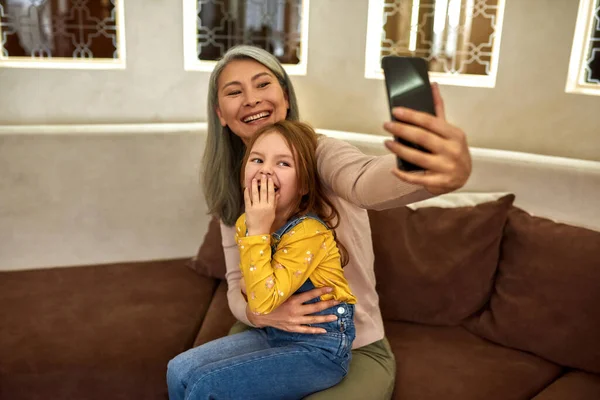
(271, 192)
(263, 189)
(255, 197)
(247, 200)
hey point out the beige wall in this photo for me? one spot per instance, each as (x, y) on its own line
(99, 198)
(527, 111)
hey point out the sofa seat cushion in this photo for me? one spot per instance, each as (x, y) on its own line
(451, 363)
(85, 332)
(574, 385)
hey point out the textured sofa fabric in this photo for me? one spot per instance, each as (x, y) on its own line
(101, 332)
(436, 265)
(547, 292)
(573, 385)
(218, 319)
(435, 362)
(107, 332)
(210, 260)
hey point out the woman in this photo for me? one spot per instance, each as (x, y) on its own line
(250, 89)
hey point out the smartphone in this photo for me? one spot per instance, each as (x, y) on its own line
(407, 84)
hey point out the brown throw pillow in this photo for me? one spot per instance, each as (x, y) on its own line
(436, 265)
(210, 260)
(547, 292)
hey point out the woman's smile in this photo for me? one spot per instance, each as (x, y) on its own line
(256, 116)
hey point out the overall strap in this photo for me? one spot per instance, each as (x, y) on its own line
(289, 226)
(292, 223)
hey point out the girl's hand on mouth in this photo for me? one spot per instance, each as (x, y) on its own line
(260, 202)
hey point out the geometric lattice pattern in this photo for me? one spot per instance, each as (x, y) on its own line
(592, 61)
(454, 36)
(78, 29)
(274, 25)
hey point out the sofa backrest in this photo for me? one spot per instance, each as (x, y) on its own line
(80, 195)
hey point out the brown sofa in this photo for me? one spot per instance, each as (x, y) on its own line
(479, 302)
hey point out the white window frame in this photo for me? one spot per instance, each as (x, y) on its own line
(190, 55)
(373, 52)
(577, 63)
(75, 63)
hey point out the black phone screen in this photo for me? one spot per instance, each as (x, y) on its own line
(407, 84)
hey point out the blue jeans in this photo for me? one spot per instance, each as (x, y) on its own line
(266, 363)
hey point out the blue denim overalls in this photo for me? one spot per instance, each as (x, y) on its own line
(340, 333)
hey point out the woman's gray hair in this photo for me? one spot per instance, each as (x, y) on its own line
(224, 151)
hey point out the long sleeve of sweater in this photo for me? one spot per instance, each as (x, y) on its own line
(233, 274)
(363, 180)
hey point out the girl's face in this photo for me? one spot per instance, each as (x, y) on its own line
(272, 157)
(249, 97)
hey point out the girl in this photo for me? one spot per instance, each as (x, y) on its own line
(287, 245)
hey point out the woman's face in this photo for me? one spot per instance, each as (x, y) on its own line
(249, 97)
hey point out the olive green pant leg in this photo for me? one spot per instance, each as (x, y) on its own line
(238, 327)
(371, 376)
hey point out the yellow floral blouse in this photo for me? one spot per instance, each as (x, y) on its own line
(306, 251)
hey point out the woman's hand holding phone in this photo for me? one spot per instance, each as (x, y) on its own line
(448, 165)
